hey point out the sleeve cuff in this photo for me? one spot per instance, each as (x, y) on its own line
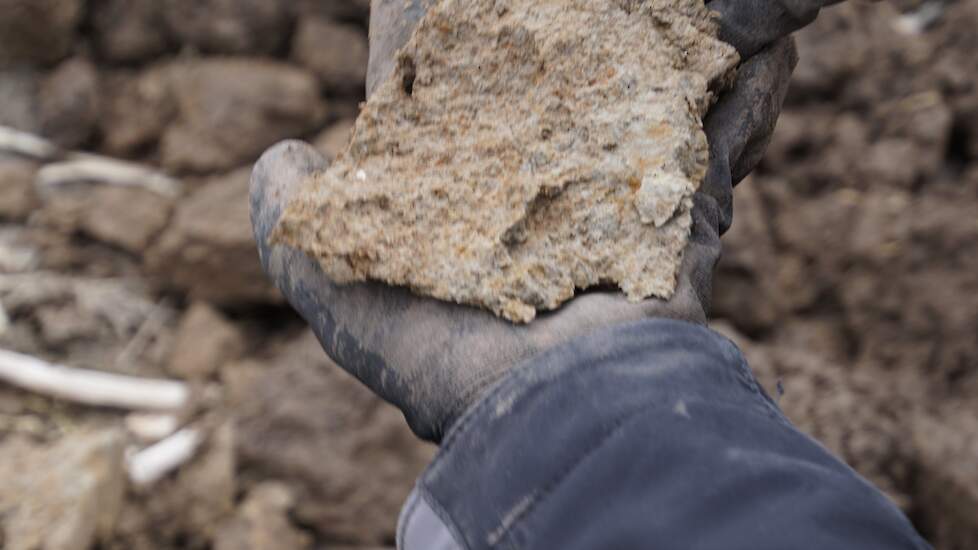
(550, 412)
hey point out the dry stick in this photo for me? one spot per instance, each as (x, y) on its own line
(26, 144)
(79, 168)
(151, 426)
(4, 320)
(91, 387)
(152, 463)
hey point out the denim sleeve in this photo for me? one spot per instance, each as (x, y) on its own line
(649, 435)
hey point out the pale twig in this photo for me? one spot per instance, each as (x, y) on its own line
(151, 426)
(152, 463)
(27, 144)
(91, 387)
(85, 168)
(4, 320)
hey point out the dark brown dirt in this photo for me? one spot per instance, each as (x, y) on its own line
(853, 261)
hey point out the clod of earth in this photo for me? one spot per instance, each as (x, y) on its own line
(521, 150)
(64, 496)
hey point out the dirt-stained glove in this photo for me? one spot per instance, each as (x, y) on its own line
(433, 359)
(750, 25)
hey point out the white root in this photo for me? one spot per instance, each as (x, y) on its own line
(91, 387)
(152, 463)
(26, 144)
(4, 320)
(81, 168)
(151, 427)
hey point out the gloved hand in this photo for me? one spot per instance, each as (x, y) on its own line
(434, 359)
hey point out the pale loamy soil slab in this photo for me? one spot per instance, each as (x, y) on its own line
(523, 149)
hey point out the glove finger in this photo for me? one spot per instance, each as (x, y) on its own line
(750, 25)
(740, 125)
(737, 129)
(765, 85)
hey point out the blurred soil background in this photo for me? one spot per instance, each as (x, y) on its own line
(850, 277)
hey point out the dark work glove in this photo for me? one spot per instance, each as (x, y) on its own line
(750, 25)
(433, 359)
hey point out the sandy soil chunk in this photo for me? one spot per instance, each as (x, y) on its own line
(521, 150)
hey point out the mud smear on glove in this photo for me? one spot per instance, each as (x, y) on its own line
(521, 150)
